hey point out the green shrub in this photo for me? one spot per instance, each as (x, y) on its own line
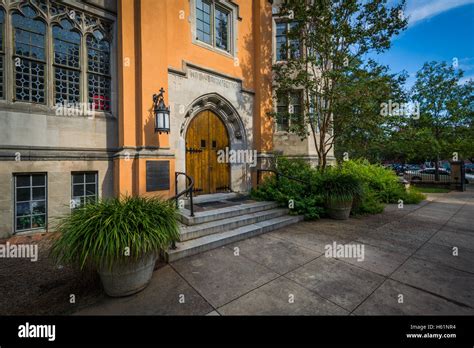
(307, 199)
(381, 182)
(370, 185)
(413, 196)
(99, 234)
(336, 185)
(369, 204)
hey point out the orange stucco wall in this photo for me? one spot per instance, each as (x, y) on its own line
(154, 35)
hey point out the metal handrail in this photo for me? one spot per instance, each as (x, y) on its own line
(189, 189)
(278, 174)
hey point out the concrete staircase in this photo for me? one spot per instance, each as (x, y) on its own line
(209, 229)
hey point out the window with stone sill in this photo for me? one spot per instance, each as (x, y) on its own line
(213, 24)
(71, 68)
(84, 188)
(30, 201)
(286, 47)
(289, 108)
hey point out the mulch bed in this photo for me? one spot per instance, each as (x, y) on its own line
(42, 287)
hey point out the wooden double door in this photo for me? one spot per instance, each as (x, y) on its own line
(207, 135)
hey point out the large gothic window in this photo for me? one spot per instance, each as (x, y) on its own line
(29, 56)
(56, 55)
(67, 67)
(98, 65)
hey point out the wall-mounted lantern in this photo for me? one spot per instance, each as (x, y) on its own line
(162, 113)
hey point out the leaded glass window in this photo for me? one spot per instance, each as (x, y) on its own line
(2, 53)
(29, 56)
(67, 43)
(56, 54)
(98, 58)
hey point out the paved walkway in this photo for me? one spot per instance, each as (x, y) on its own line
(408, 269)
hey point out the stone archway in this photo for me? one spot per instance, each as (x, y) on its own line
(220, 106)
(237, 135)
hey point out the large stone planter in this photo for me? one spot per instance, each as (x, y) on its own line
(129, 278)
(339, 210)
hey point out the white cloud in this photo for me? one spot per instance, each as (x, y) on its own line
(419, 10)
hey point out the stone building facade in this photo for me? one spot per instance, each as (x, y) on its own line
(77, 80)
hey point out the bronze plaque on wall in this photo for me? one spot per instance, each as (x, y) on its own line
(157, 175)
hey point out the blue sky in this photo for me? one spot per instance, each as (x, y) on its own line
(439, 30)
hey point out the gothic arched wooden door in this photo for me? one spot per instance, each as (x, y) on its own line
(207, 135)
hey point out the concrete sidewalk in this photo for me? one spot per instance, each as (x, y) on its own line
(408, 269)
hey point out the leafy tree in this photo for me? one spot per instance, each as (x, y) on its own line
(446, 111)
(360, 127)
(329, 36)
(409, 144)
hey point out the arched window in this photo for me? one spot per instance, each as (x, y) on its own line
(98, 71)
(56, 54)
(29, 56)
(2, 53)
(67, 72)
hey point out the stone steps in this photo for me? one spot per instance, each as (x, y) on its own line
(242, 218)
(224, 213)
(217, 226)
(215, 240)
(214, 197)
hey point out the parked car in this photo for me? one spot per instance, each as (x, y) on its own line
(412, 167)
(427, 174)
(398, 168)
(469, 168)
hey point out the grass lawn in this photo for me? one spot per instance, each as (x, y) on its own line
(432, 190)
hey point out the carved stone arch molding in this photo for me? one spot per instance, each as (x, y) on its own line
(225, 110)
